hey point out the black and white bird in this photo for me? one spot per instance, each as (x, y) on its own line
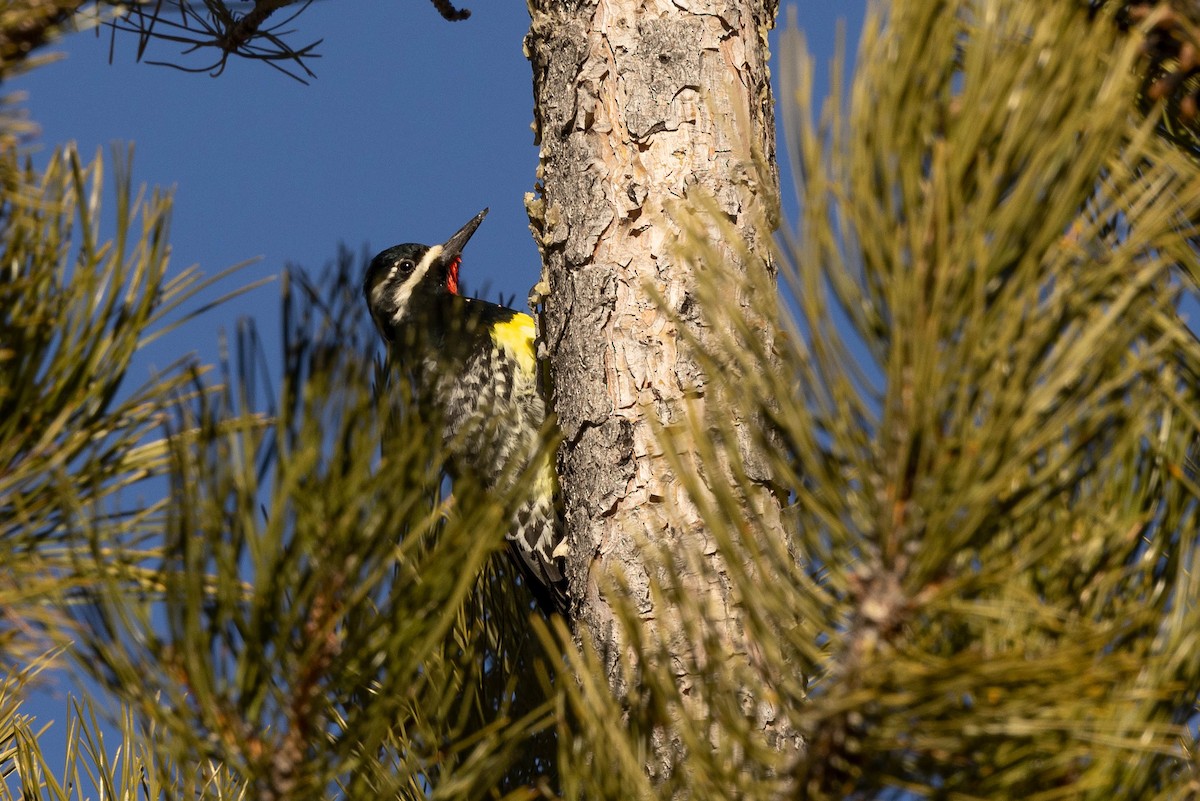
(476, 362)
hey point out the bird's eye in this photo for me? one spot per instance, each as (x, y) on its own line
(405, 266)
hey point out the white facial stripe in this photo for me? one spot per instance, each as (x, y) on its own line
(405, 290)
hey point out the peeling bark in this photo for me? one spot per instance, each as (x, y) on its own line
(639, 105)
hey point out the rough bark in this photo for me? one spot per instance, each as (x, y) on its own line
(639, 104)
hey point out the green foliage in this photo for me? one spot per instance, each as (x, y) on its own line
(75, 439)
(980, 400)
(310, 628)
(74, 309)
(130, 770)
(1170, 90)
(26, 25)
(983, 407)
(297, 611)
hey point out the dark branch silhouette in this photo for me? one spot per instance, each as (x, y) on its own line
(222, 29)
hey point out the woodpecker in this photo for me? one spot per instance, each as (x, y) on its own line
(476, 362)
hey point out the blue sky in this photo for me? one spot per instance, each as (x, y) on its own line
(411, 126)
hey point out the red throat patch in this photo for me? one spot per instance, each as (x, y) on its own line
(452, 275)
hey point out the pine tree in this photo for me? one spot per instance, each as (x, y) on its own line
(984, 413)
(974, 392)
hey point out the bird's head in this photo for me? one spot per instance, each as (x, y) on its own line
(406, 281)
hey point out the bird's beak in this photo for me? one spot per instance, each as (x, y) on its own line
(456, 243)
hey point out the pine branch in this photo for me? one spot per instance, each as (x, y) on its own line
(28, 25)
(984, 421)
(214, 27)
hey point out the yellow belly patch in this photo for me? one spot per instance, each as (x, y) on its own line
(516, 336)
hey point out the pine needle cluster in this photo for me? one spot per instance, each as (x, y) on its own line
(297, 610)
(977, 393)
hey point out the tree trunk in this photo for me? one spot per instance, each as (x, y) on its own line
(640, 104)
